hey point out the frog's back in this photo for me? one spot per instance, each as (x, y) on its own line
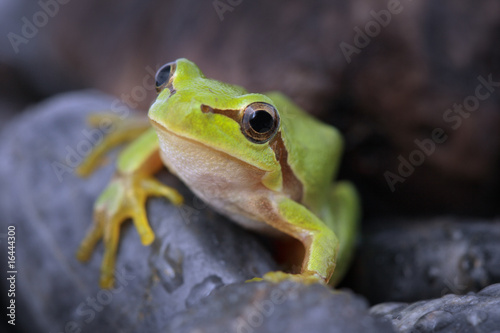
(314, 149)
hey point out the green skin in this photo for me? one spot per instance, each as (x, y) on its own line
(286, 193)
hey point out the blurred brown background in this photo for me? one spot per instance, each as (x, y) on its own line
(384, 72)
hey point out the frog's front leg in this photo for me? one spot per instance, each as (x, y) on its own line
(124, 198)
(328, 244)
(320, 242)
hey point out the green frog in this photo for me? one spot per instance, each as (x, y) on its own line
(258, 159)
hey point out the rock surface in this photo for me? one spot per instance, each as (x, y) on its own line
(468, 313)
(408, 261)
(287, 307)
(196, 251)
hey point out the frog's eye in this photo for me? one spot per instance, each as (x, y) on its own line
(164, 75)
(260, 122)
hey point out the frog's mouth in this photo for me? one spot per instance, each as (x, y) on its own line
(164, 133)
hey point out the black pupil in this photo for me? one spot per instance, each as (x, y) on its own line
(162, 75)
(261, 121)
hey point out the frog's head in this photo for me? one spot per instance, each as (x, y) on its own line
(215, 115)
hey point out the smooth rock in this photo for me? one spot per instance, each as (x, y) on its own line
(285, 307)
(474, 312)
(408, 260)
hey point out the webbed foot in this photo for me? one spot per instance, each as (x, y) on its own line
(125, 197)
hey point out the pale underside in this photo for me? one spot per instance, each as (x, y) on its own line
(231, 186)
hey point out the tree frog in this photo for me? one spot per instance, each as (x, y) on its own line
(256, 158)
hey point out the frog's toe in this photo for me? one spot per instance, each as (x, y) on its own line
(107, 280)
(304, 278)
(141, 223)
(111, 238)
(97, 119)
(255, 279)
(156, 188)
(91, 239)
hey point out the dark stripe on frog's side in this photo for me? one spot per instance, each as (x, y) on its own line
(235, 115)
(291, 184)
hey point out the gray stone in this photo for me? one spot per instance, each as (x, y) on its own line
(285, 307)
(409, 260)
(451, 313)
